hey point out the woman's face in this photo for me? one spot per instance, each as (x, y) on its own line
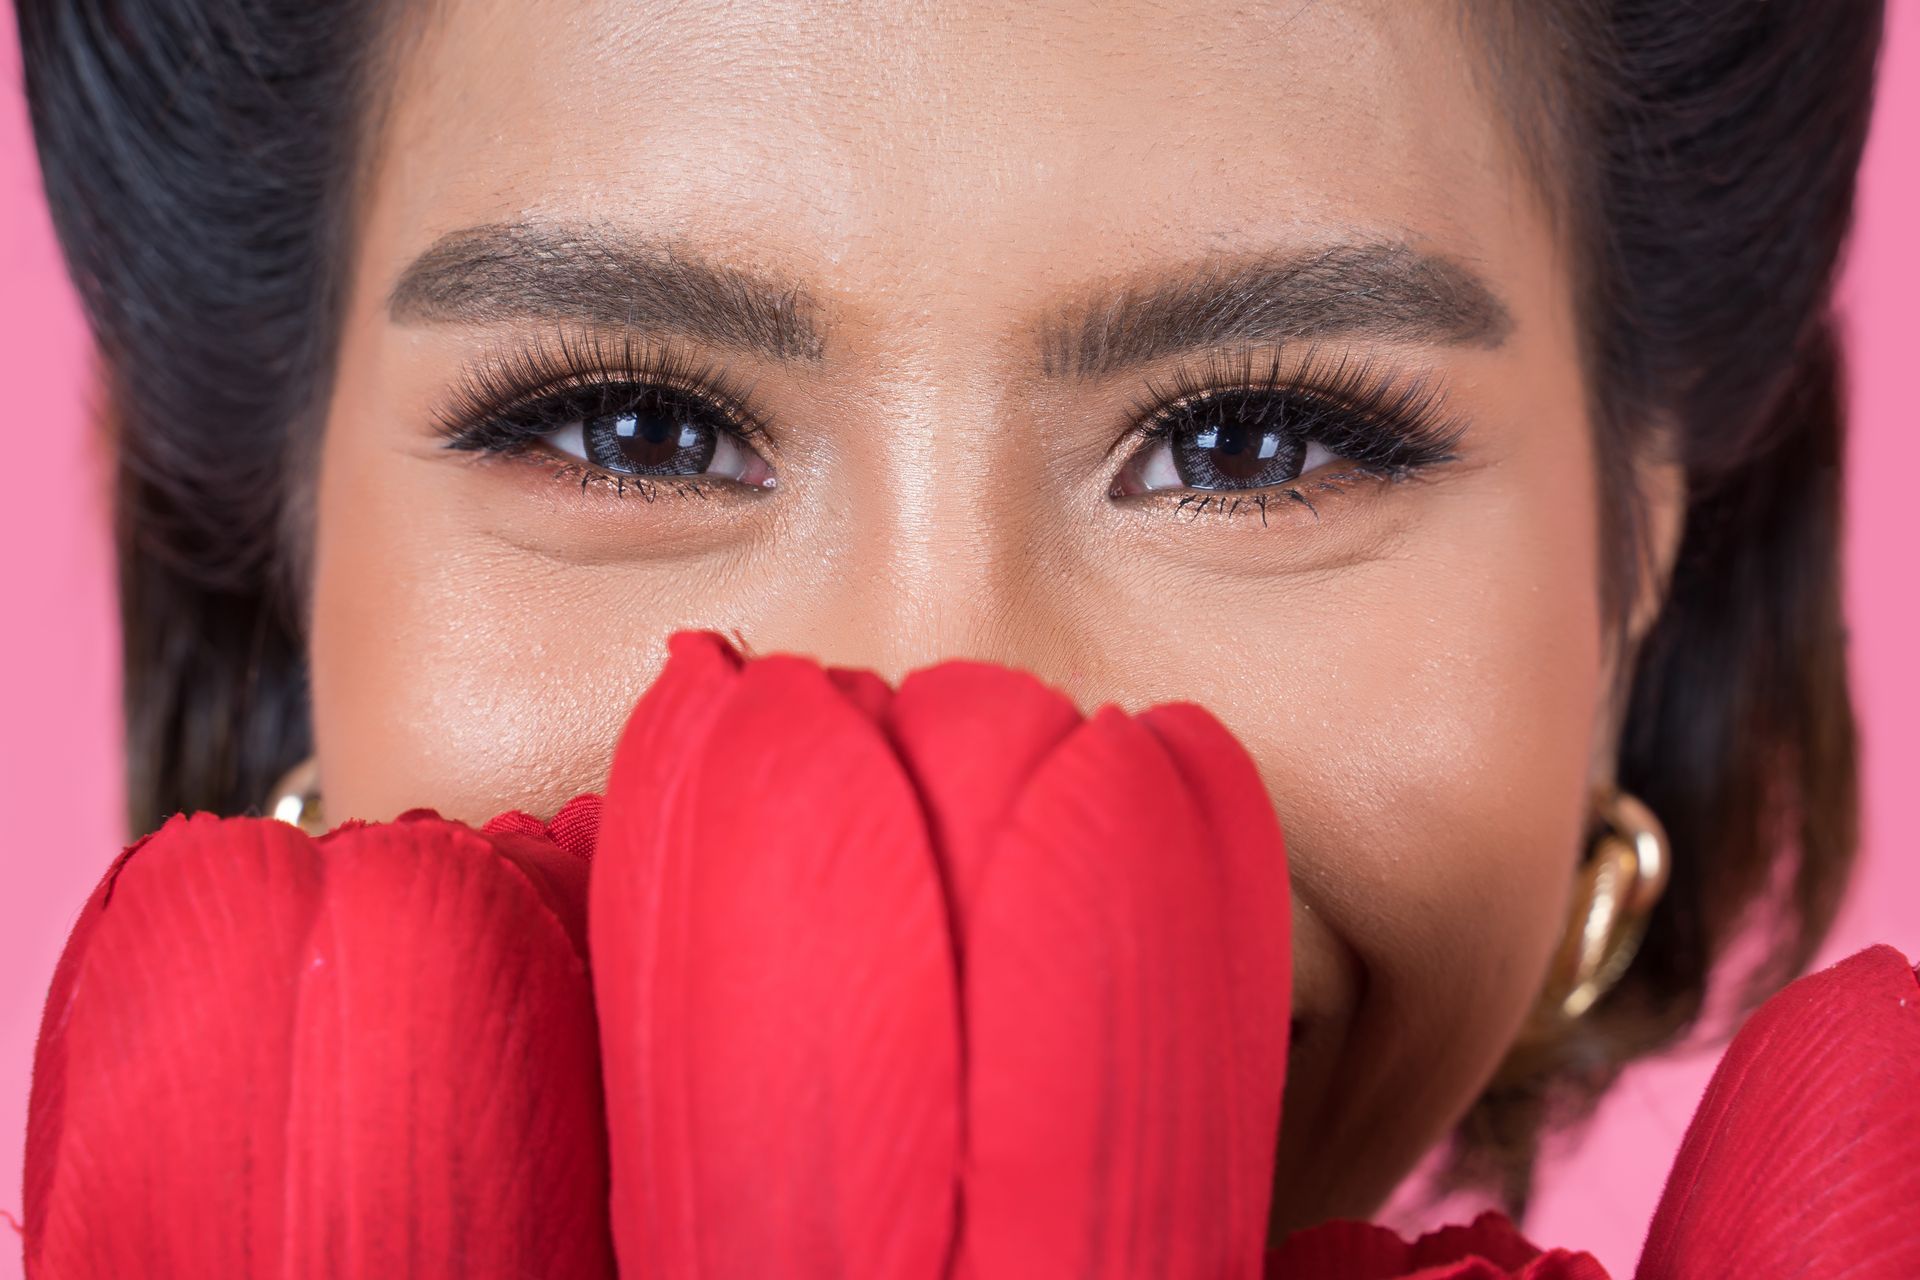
(1171, 351)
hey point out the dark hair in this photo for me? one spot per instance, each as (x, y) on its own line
(1703, 156)
(200, 160)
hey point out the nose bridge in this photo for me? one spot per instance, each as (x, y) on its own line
(940, 592)
(928, 559)
(905, 587)
(934, 510)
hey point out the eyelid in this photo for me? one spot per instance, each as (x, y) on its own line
(1354, 391)
(1359, 384)
(542, 371)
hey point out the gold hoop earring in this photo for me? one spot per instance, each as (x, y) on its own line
(1624, 876)
(296, 799)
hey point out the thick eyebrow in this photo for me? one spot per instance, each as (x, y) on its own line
(594, 275)
(1390, 292)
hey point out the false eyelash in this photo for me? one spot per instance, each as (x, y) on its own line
(1383, 422)
(511, 399)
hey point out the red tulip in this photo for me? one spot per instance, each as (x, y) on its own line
(368, 1055)
(1804, 1156)
(943, 981)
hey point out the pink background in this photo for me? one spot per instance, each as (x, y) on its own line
(59, 775)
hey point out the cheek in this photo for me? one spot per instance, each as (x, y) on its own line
(445, 699)
(449, 669)
(1428, 757)
(1437, 835)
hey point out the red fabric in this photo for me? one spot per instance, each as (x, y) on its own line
(576, 828)
(948, 981)
(1488, 1249)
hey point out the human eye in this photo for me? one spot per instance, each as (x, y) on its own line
(648, 432)
(1226, 432)
(637, 421)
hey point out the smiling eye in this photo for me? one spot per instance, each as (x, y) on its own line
(1228, 442)
(658, 432)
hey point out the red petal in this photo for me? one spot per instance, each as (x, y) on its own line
(1100, 1001)
(1562, 1264)
(1489, 1249)
(775, 987)
(1244, 835)
(1490, 1236)
(971, 736)
(1341, 1251)
(370, 1058)
(663, 736)
(864, 690)
(1801, 1160)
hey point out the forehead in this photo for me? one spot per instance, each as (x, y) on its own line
(870, 146)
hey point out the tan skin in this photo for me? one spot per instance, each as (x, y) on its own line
(1418, 664)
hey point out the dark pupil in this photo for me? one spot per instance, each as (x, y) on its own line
(658, 436)
(1236, 445)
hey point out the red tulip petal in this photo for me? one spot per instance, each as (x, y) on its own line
(673, 715)
(664, 735)
(1099, 1001)
(1563, 1264)
(468, 1091)
(777, 993)
(1341, 1251)
(1244, 834)
(1489, 1249)
(1801, 1160)
(1490, 1236)
(47, 1101)
(371, 1058)
(971, 736)
(865, 690)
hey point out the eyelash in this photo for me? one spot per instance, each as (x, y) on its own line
(1385, 425)
(506, 406)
